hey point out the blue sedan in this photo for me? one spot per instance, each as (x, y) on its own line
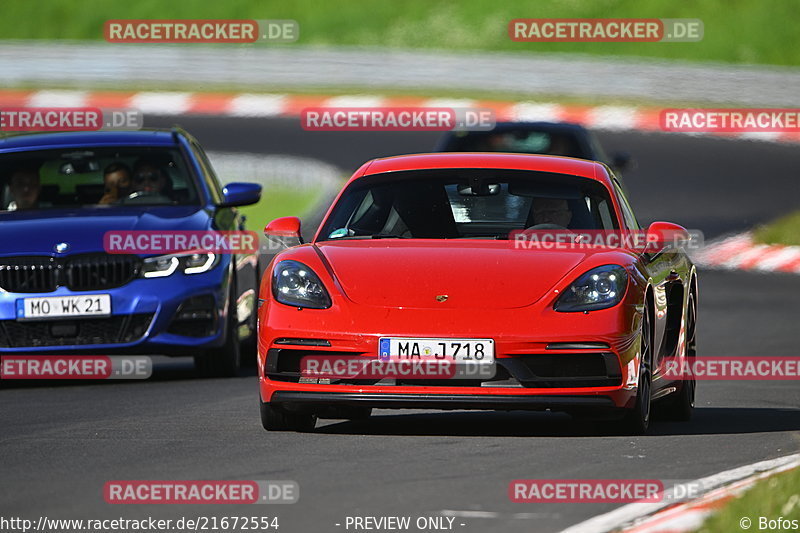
(62, 291)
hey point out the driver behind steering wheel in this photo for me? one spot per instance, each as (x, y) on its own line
(149, 179)
(551, 213)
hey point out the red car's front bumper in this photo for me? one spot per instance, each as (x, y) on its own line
(545, 354)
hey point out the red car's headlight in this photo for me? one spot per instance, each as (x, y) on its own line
(295, 284)
(600, 288)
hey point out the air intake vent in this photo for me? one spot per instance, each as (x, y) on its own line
(86, 272)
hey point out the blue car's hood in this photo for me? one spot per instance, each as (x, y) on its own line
(37, 232)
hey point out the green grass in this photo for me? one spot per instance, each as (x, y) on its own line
(785, 230)
(736, 31)
(778, 496)
(280, 202)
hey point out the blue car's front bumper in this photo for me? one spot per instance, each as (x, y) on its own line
(143, 319)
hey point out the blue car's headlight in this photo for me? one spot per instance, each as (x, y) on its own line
(293, 283)
(599, 288)
(165, 265)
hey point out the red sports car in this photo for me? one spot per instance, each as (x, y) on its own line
(523, 277)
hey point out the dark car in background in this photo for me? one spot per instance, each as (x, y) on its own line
(546, 138)
(62, 292)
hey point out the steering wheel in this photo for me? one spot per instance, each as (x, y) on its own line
(548, 226)
(145, 196)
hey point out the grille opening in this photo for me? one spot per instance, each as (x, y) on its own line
(28, 274)
(552, 370)
(283, 364)
(195, 317)
(79, 332)
(99, 271)
(566, 365)
(564, 370)
(83, 272)
(64, 329)
(285, 360)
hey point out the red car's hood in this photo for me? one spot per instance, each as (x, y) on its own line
(472, 274)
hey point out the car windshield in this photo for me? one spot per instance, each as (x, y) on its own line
(525, 141)
(94, 177)
(471, 204)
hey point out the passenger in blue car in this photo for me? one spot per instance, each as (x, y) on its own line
(24, 186)
(116, 183)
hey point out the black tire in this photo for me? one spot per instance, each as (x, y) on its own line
(680, 405)
(277, 419)
(637, 421)
(249, 353)
(249, 346)
(226, 360)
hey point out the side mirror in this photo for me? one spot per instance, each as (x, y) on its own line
(238, 194)
(663, 235)
(284, 227)
(620, 161)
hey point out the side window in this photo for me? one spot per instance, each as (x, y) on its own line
(606, 216)
(627, 212)
(210, 177)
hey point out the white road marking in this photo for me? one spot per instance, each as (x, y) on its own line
(161, 103)
(59, 99)
(531, 111)
(257, 105)
(357, 100)
(612, 118)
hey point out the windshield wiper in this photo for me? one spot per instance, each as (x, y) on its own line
(387, 236)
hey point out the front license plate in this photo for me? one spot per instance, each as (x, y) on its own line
(64, 306)
(458, 350)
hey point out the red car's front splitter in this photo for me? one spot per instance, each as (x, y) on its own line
(313, 397)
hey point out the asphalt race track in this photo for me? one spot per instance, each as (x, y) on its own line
(61, 442)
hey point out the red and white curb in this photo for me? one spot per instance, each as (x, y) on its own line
(685, 517)
(290, 105)
(739, 252)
